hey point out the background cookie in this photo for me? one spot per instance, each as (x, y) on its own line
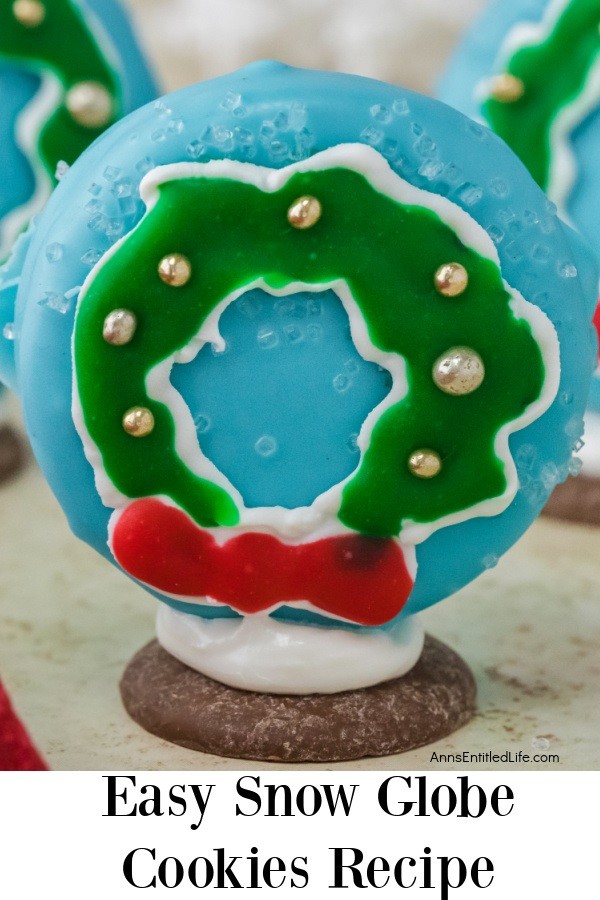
(68, 70)
(500, 76)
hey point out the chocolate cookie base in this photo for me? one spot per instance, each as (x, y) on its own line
(577, 500)
(12, 453)
(180, 705)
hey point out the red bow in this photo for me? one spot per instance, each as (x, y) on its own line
(360, 579)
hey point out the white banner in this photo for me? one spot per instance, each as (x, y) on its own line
(453, 835)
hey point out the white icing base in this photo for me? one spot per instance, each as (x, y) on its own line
(590, 452)
(258, 653)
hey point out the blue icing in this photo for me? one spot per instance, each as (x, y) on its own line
(594, 399)
(430, 144)
(475, 60)
(584, 208)
(287, 433)
(584, 203)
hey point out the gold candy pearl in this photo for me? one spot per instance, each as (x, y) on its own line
(119, 327)
(507, 88)
(304, 212)
(459, 371)
(451, 280)
(175, 269)
(29, 13)
(425, 463)
(90, 104)
(138, 421)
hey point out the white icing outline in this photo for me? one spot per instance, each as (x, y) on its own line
(562, 176)
(310, 523)
(28, 126)
(300, 521)
(590, 452)
(545, 335)
(563, 163)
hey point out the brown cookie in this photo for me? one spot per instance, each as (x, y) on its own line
(12, 453)
(577, 500)
(180, 705)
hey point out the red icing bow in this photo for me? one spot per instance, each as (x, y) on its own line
(360, 579)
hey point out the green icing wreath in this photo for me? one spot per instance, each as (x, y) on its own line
(554, 74)
(63, 45)
(234, 233)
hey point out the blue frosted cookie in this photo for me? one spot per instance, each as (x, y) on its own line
(300, 385)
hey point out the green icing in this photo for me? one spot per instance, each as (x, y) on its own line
(63, 45)
(387, 252)
(554, 74)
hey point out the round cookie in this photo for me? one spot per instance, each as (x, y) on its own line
(68, 70)
(180, 705)
(500, 76)
(301, 392)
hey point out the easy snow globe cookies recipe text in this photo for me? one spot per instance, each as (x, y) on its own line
(302, 395)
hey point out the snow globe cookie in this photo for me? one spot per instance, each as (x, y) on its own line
(68, 70)
(302, 395)
(501, 76)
